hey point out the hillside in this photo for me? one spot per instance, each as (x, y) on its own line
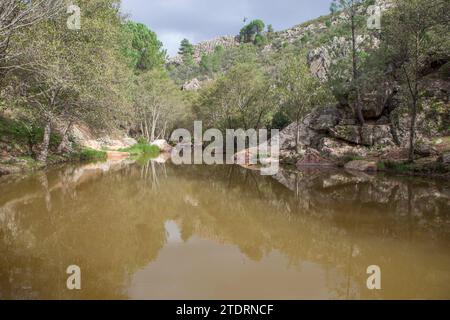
(339, 89)
(331, 127)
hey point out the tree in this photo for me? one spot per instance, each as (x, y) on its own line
(239, 99)
(157, 104)
(15, 16)
(212, 63)
(350, 9)
(142, 47)
(72, 76)
(298, 92)
(413, 33)
(270, 32)
(186, 51)
(249, 32)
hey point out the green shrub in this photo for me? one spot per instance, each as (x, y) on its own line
(91, 155)
(142, 148)
(381, 166)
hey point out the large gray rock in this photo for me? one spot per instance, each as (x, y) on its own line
(368, 135)
(375, 103)
(307, 136)
(312, 158)
(338, 150)
(445, 158)
(425, 150)
(324, 118)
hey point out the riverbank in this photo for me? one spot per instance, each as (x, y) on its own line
(20, 145)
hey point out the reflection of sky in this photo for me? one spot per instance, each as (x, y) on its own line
(173, 233)
(200, 20)
(205, 269)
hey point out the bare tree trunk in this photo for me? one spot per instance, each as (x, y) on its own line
(412, 130)
(46, 142)
(297, 133)
(64, 145)
(147, 134)
(155, 118)
(394, 128)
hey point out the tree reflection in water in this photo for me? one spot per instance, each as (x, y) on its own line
(111, 220)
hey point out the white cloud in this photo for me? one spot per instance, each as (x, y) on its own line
(199, 20)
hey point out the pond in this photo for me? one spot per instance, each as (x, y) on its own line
(152, 230)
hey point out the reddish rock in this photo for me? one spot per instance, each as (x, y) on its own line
(115, 155)
(361, 165)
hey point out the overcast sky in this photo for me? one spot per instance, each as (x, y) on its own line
(199, 20)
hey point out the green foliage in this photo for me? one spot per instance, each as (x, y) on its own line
(142, 149)
(250, 32)
(280, 120)
(142, 47)
(89, 155)
(239, 99)
(297, 91)
(260, 40)
(211, 64)
(24, 134)
(187, 52)
(158, 104)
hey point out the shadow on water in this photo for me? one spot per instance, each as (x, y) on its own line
(148, 229)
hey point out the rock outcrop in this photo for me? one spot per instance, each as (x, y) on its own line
(360, 165)
(367, 135)
(84, 137)
(445, 158)
(312, 158)
(207, 47)
(192, 85)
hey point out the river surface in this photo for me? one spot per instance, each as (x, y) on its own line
(148, 230)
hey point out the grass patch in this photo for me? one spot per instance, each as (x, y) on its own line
(381, 166)
(349, 158)
(91, 155)
(142, 149)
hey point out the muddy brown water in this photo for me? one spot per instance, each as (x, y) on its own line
(149, 230)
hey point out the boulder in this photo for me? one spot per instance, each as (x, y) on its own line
(338, 150)
(192, 85)
(374, 103)
(129, 141)
(445, 158)
(163, 145)
(319, 63)
(368, 135)
(312, 158)
(9, 169)
(289, 157)
(425, 150)
(323, 119)
(307, 136)
(361, 165)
